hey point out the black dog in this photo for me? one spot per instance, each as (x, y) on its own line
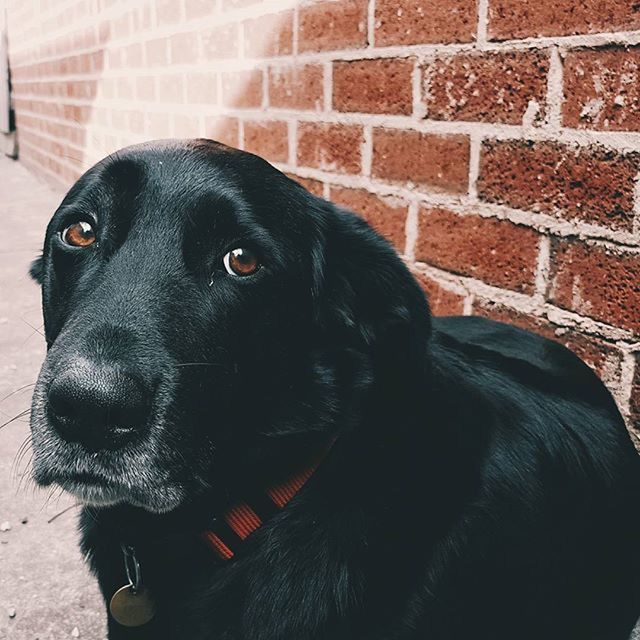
(218, 336)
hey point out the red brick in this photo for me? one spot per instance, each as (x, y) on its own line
(386, 215)
(120, 27)
(170, 88)
(145, 88)
(602, 89)
(269, 36)
(332, 25)
(296, 87)
(199, 8)
(133, 55)
(487, 87)
(269, 139)
(168, 12)
(104, 31)
(158, 125)
(513, 19)
(119, 120)
(373, 86)
(604, 358)
(597, 282)
(314, 186)
(438, 162)
(495, 251)
(186, 126)
(115, 60)
(418, 22)
(222, 129)
(125, 88)
(136, 122)
(184, 48)
(142, 18)
(332, 147)
(157, 52)
(442, 302)
(584, 183)
(242, 89)
(202, 88)
(220, 42)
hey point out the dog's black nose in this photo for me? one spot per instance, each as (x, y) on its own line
(100, 407)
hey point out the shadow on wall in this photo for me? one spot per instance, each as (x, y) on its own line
(88, 82)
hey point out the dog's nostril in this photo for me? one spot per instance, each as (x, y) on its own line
(99, 406)
(60, 406)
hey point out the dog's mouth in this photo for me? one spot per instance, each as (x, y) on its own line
(93, 490)
(105, 478)
(100, 487)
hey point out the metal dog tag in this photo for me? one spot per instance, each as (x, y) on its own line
(130, 607)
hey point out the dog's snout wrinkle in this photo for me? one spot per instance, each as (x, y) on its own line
(98, 406)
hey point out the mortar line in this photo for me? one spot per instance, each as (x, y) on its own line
(483, 17)
(411, 231)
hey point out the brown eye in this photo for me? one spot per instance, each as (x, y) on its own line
(241, 262)
(79, 234)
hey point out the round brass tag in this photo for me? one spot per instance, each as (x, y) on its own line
(132, 609)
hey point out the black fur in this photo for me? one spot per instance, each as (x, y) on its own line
(482, 484)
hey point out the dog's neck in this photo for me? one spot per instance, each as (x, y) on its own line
(222, 524)
(244, 517)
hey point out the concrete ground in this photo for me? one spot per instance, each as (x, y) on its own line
(46, 593)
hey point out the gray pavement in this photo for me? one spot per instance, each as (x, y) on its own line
(46, 593)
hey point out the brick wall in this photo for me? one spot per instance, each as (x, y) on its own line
(496, 143)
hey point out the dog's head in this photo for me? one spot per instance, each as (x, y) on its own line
(205, 317)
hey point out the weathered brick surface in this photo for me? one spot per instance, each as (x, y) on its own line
(495, 251)
(510, 19)
(267, 139)
(197, 8)
(220, 42)
(202, 88)
(418, 22)
(331, 147)
(442, 302)
(387, 215)
(269, 36)
(488, 87)
(590, 184)
(183, 48)
(296, 87)
(242, 88)
(439, 162)
(225, 130)
(602, 89)
(373, 86)
(604, 358)
(332, 25)
(597, 282)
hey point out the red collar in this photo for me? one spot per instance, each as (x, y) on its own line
(240, 520)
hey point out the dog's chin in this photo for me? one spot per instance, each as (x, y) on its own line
(95, 483)
(92, 494)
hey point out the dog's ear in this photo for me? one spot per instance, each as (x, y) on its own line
(36, 271)
(366, 298)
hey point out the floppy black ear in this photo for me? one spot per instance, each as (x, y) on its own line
(36, 271)
(368, 300)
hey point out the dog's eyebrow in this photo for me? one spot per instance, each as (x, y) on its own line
(218, 219)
